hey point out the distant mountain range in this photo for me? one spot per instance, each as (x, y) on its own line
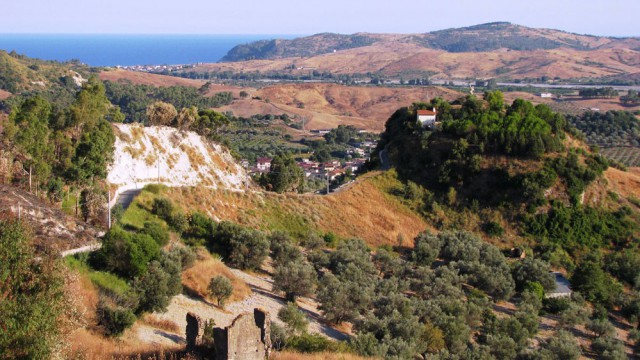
(493, 50)
(478, 38)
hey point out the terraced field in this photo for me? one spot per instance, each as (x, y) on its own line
(627, 155)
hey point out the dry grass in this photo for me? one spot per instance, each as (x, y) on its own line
(220, 163)
(157, 145)
(172, 160)
(137, 132)
(289, 355)
(195, 158)
(625, 183)
(149, 79)
(134, 152)
(196, 279)
(150, 159)
(87, 344)
(361, 211)
(163, 324)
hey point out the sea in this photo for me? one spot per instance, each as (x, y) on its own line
(128, 50)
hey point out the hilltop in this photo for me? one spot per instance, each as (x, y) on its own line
(501, 50)
(19, 73)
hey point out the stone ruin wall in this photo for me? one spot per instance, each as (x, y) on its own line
(247, 338)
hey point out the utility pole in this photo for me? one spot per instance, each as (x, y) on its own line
(108, 208)
(246, 177)
(29, 178)
(19, 211)
(77, 201)
(328, 183)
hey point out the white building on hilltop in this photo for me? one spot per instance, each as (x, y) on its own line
(427, 118)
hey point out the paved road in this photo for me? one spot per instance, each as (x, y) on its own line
(126, 197)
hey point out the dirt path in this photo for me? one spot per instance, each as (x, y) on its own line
(262, 297)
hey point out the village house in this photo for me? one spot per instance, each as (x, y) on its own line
(263, 164)
(427, 118)
(546, 95)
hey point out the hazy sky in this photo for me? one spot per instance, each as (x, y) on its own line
(612, 17)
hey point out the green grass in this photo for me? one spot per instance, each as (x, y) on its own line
(139, 211)
(107, 282)
(69, 205)
(277, 218)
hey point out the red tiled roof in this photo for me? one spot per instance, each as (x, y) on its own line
(426, 112)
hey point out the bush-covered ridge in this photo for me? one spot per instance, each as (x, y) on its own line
(300, 47)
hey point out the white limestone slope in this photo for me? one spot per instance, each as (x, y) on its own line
(145, 154)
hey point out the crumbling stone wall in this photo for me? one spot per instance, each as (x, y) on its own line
(247, 338)
(195, 330)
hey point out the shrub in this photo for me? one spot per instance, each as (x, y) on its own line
(310, 343)
(601, 327)
(313, 242)
(492, 228)
(294, 319)
(595, 284)
(162, 207)
(533, 270)
(178, 221)
(114, 319)
(282, 248)
(31, 297)
(126, 254)
(278, 336)
(153, 288)
(220, 288)
(200, 226)
(186, 255)
(295, 278)
(243, 247)
(555, 305)
(561, 346)
(534, 287)
(426, 248)
(608, 348)
(157, 231)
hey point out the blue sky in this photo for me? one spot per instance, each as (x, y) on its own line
(612, 18)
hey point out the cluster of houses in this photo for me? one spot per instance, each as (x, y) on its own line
(312, 169)
(154, 68)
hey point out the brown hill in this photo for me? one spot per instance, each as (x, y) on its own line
(143, 78)
(625, 183)
(408, 60)
(484, 51)
(328, 105)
